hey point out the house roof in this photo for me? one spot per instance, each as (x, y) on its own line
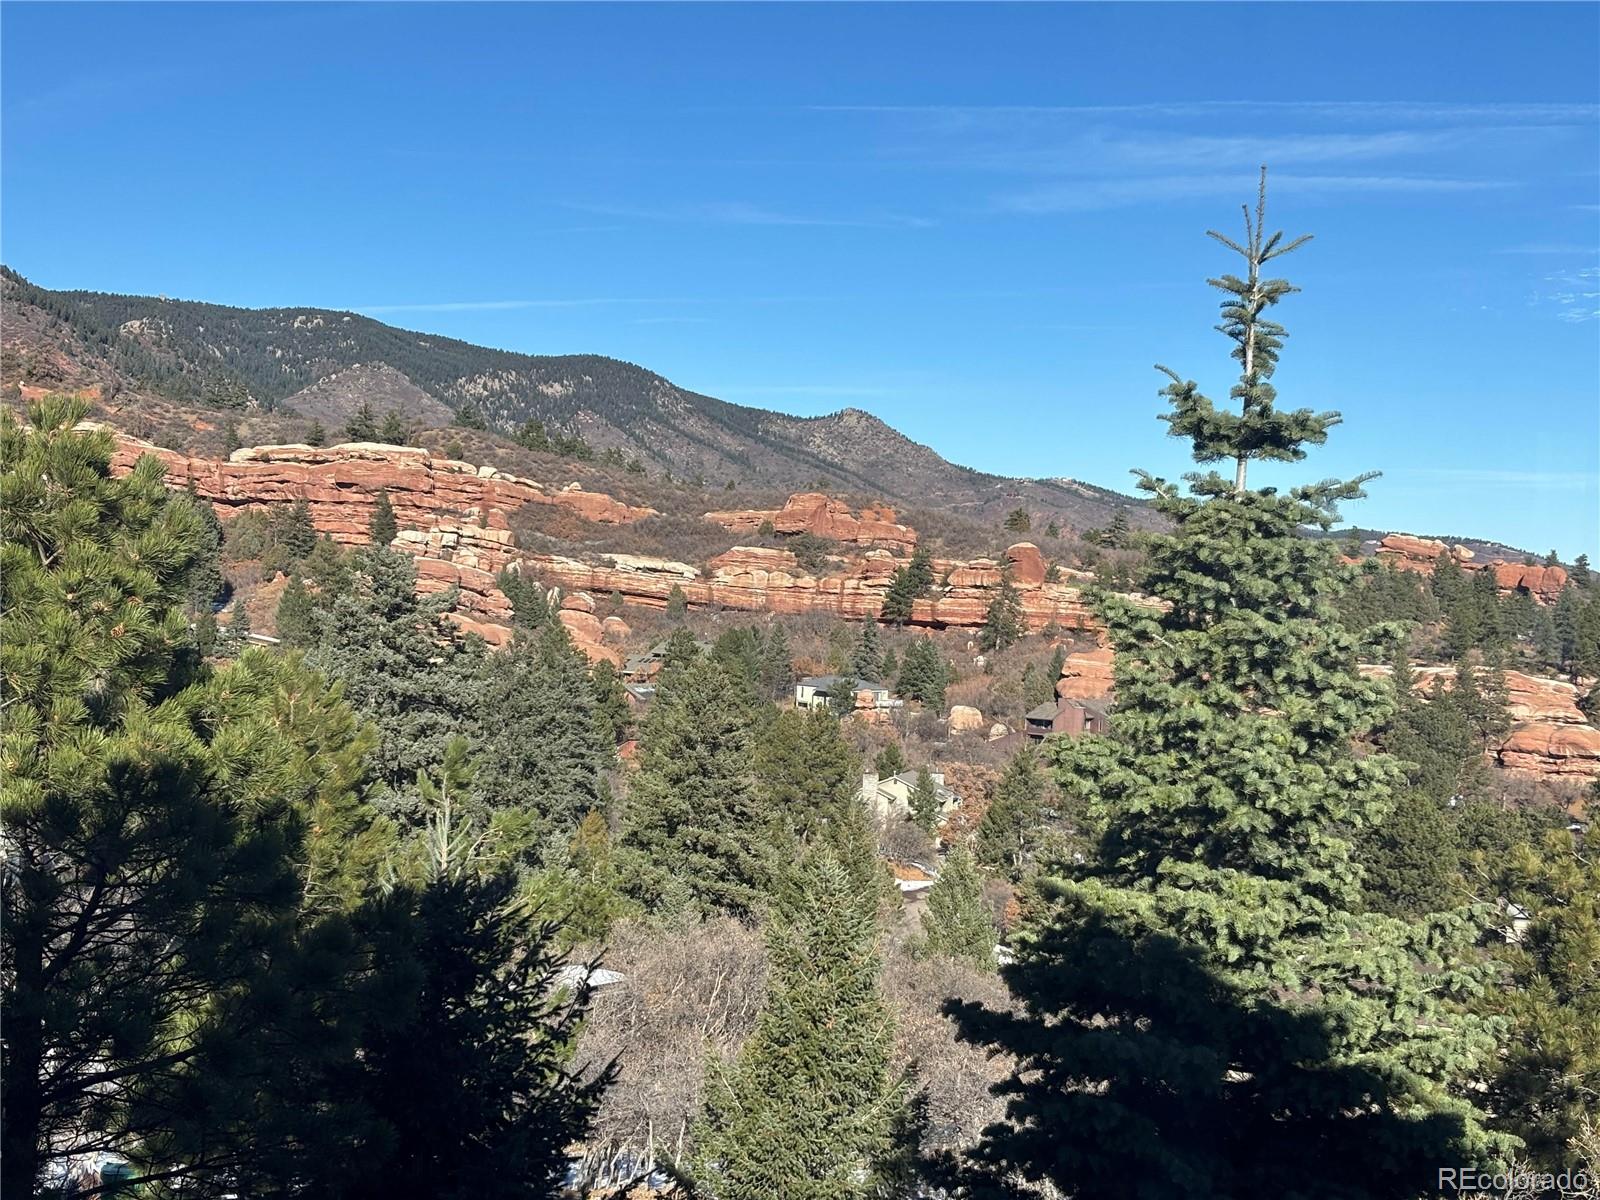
(1045, 712)
(825, 682)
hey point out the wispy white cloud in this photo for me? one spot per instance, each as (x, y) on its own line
(1081, 195)
(1342, 110)
(670, 321)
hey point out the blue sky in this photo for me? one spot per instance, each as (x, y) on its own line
(983, 224)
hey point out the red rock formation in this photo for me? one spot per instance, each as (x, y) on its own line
(341, 484)
(813, 512)
(1409, 553)
(1027, 564)
(1086, 674)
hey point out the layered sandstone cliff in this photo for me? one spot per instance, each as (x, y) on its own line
(824, 516)
(1409, 553)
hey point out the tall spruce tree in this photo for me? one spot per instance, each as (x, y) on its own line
(924, 801)
(955, 923)
(908, 584)
(867, 657)
(924, 674)
(1204, 1007)
(296, 614)
(1002, 624)
(1006, 836)
(694, 817)
(383, 526)
(811, 1109)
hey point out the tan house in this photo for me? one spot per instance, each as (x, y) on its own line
(817, 691)
(890, 796)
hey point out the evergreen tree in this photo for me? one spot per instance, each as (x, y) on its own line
(362, 425)
(1002, 624)
(811, 1108)
(1052, 530)
(868, 654)
(206, 583)
(470, 416)
(473, 1085)
(1580, 571)
(533, 436)
(1007, 834)
(955, 924)
(393, 429)
(544, 744)
(681, 650)
(777, 671)
(908, 584)
(152, 820)
(239, 630)
(1549, 1074)
(1118, 533)
(889, 667)
(296, 619)
(694, 816)
(891, 760)
(611, 701)
(677, 602)
(924, 802)
(400, 665)
(316, 435)
(383, 527)
(1018, 521)
(924, 674)
(806, 772)
(1204, 1007)
(530, 603)
(297, 535)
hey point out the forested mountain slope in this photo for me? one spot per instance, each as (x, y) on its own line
(322, 365)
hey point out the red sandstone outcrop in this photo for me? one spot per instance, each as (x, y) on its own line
(1086, 675)
(340, 485)
(1409, 553)
(1027, 564)
(814, 512)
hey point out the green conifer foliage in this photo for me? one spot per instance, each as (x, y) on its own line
(693, 812)
(891, 760)
(400, 665)
(677, 602)
(956, 924)
(1206, 1007)
(909, 583)
(393, 430)
(1018, 521)
(1002, 624)
(1549, 1077)
(611, 701)
(868, 654)
(152, 817)
(1008, 832)
(924, 674)
(296, 614)
(811, 1109)
(316, 435)
(383, 527)
(544, 745)
(362, 425)
(924, 802)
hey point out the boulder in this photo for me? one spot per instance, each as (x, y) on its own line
(1027, 564)
(965, 719)
(578, 602)
(1086, 674)
(615, 629)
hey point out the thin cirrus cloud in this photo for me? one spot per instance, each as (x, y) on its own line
(1340, 110)
(1543, 481)
(1083, 195)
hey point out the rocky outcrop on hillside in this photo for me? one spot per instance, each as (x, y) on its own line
(824, 516)
(341, 486)
(1409, 553)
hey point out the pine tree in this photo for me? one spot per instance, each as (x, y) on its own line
(1549, 1075)
(1205, 1009)
(1580, 571)
(955, 924)
(1118, 533)
(693, 812)
(811, 1109)
(777, 671)
(297, 535)
(152, 813)
(400, 664)
(806, 773)
(1052, 530)
(908, 584)
(533, 436)
(891, 760)
(544, 745)
(393, 429)
(239, 630)
(1018, 521)
(924, 801)
(924, 674)
(296, 614)
(316, 435)
(362, 425)
(677, 602)
(470, 416)
(611, 700)
(530, 603)
(1002, 624)
(1007, 833)
(868, 654)
(889, 667)
(383, 527)
(206, 582)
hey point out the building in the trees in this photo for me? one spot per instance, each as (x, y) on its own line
(890, 796)
(817, 691)
(913, 880)
(1071, 717)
